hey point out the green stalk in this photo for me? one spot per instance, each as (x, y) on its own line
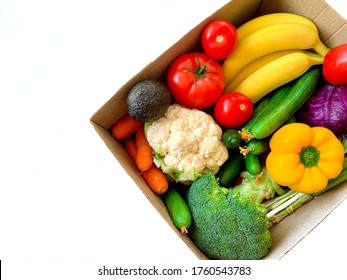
(286, 211)
(278, 200)
(286, 205)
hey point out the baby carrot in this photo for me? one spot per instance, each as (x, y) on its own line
(156, 179)
(154, 176)
(144, 159)
(125, 127)
(130, 146)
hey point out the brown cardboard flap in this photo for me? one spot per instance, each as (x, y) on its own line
(329, 22)
(338, 37)
(309, 9)
(237, 11)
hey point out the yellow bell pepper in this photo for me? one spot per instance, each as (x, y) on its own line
(304, 158)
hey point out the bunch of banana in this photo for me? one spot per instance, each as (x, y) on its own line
(272, 50)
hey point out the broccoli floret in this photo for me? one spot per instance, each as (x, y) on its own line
(253, 226)
(226, 224)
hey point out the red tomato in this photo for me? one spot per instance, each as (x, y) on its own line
(195, 80)
(219, 39)
(233, 109)
(335, 65)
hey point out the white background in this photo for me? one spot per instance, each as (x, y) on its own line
(67, 207)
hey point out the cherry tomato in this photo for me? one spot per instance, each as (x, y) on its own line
(233, 110)
(219, 39)
(195, 80)
(335, 65)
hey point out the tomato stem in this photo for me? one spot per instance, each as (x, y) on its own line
(200, 71)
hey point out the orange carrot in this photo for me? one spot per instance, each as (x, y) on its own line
(130, 146)
(156, 179)
(144, 158)
(125, 127)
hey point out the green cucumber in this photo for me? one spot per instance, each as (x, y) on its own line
(267, 104)
(303, 88)
(231, 138)
(230, 170)
(258, 146)
(178, 209)
(253, 164)
(262, 103)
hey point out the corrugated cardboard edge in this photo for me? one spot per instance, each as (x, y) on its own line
(304, 220)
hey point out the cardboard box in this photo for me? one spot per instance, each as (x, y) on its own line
(333, 31)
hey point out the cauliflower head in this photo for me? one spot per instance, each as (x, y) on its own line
(187, 143)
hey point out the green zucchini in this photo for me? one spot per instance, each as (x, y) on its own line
(178, 209)
(301, 91)
(253, 164)
(230, 170)
(231, 138)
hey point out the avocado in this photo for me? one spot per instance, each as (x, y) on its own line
(148, 100)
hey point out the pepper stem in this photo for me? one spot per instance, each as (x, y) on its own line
(309, 156)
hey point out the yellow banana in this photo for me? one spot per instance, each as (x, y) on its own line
(271, 19)
(252, 67)
(277, 73)
(267, 40)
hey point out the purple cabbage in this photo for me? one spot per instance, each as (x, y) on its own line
(328, 108)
